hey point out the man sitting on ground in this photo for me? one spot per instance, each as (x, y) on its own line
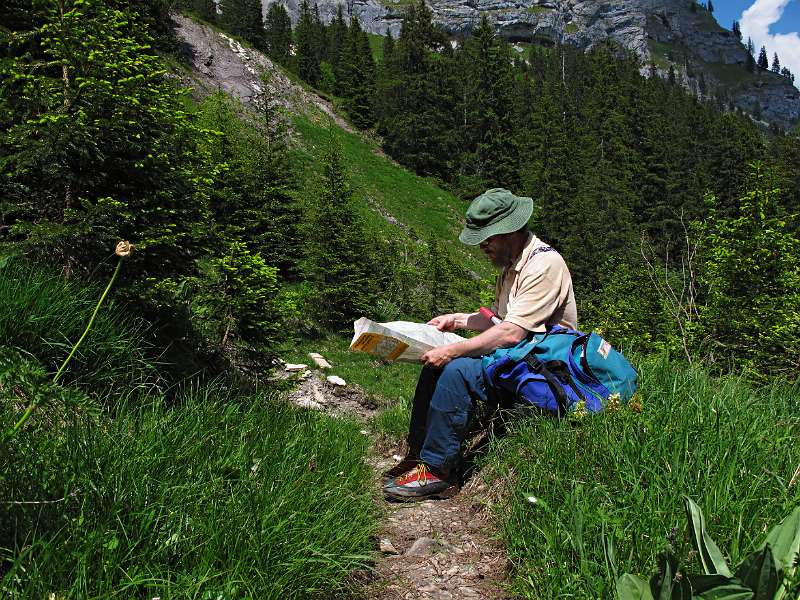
(533, 293)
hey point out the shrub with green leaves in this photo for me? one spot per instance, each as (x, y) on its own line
(238, 297)
(751, 271)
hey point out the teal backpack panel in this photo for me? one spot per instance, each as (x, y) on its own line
(562, 370)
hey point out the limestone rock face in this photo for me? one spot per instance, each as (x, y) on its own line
(663, 32)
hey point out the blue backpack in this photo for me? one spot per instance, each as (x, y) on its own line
(562, 370)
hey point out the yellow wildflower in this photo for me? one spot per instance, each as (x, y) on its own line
(124, 249)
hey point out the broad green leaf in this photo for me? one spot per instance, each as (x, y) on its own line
(703, 583)
(631, 587)
(661, 582)
(608, 551)
(728, 591)
(759, 572)
(710, 555)
(784, 540)
(666, 584)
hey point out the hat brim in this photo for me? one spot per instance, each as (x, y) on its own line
(514, 221)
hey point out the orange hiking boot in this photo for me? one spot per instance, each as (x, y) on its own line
(418, 484)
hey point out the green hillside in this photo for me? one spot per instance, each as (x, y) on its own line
(423, 209)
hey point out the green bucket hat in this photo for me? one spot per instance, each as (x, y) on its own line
(495, 212)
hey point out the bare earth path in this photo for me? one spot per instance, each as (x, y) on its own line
(437, 549)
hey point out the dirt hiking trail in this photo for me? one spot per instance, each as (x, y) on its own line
(435, 549)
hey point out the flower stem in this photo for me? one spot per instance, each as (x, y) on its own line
(89, 324)
(29, 411)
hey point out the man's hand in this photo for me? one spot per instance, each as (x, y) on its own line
(445, 322)
(439, 357)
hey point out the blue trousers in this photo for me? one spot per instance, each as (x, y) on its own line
(444, 403)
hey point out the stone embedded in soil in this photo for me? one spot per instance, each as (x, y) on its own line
(319, 360)
(291, 368)
(308, 403)
(336, 380)
(425, 546)
(387, 548)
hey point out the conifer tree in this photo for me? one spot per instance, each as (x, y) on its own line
(418, 109)
(488, 133)
(763, 61)
(244, 18)
(253, 198)
(387, 86)
(751, 55)
(278, 33)
(357, 79)
(320, 36)
(205, 9)
(737, 30)
(776, 63)
(99, 149)
(387, 48)
(306, 57)
(710, 6)
(338, 263)
(337, 42)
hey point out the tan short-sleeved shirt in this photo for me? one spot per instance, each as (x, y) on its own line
(536, 291)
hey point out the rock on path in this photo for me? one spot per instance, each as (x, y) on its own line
(443, 549)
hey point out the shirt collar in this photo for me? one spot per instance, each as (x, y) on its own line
(530, 242)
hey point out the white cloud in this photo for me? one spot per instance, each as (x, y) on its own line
(755, 23)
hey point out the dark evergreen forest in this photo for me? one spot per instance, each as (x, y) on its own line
(676, 216)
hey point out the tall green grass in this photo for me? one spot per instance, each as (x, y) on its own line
(44, 314)
(112, 490)
(219, 496)
(614, 481)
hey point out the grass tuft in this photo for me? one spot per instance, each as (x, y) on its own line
(44, 314)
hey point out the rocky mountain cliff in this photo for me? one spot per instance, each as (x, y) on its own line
(709, 59)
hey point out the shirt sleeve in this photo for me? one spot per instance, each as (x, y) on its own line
(538, 297)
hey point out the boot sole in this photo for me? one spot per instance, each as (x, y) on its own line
(443, 495)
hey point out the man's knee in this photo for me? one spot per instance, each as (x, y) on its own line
(463, 369)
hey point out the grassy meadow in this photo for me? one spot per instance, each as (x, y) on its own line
(418, 203)
(211, 492)
(586, 500)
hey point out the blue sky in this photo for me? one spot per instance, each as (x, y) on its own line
(774, 24)
(728, 10)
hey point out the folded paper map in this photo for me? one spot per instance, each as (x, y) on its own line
(399, 340)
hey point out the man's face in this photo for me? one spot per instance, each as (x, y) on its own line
(497, 249)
